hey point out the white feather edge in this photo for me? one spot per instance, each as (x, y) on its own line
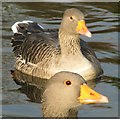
(14, 27)
(23, 61)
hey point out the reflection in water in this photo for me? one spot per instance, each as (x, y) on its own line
(106, 48)
(32, 86)
(112, 80)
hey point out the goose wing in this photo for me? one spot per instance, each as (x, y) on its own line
(87, 51)
(32, 43)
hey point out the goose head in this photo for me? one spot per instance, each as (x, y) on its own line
(66, 90)
(73, 23)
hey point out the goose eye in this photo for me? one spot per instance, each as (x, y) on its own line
(71, 18)
(68, 82)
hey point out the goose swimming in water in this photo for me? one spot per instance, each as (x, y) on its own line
(42, 54)
(65, 92)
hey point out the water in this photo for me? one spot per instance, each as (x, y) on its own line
(102, 21)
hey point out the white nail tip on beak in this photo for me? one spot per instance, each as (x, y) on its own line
(104, 99)
(88, 34)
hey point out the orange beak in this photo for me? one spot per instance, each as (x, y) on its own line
(82, 29)
(89, 96)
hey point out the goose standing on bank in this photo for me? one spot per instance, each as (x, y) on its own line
(43, 54)
(65, 92)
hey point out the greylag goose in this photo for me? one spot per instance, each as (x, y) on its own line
(65, 92)
(42, 54)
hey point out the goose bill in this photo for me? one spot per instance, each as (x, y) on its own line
(82, 29)
(88, 96)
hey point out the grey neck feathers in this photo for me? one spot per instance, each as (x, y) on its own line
(70, 44)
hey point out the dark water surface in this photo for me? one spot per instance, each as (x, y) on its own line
(102, 21)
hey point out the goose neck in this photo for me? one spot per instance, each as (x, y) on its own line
(70, 44)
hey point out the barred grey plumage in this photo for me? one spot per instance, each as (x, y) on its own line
(46, 53)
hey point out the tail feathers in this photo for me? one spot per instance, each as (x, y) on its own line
(16, 43)
(20, 30)
(26, 26)
(17, 39)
